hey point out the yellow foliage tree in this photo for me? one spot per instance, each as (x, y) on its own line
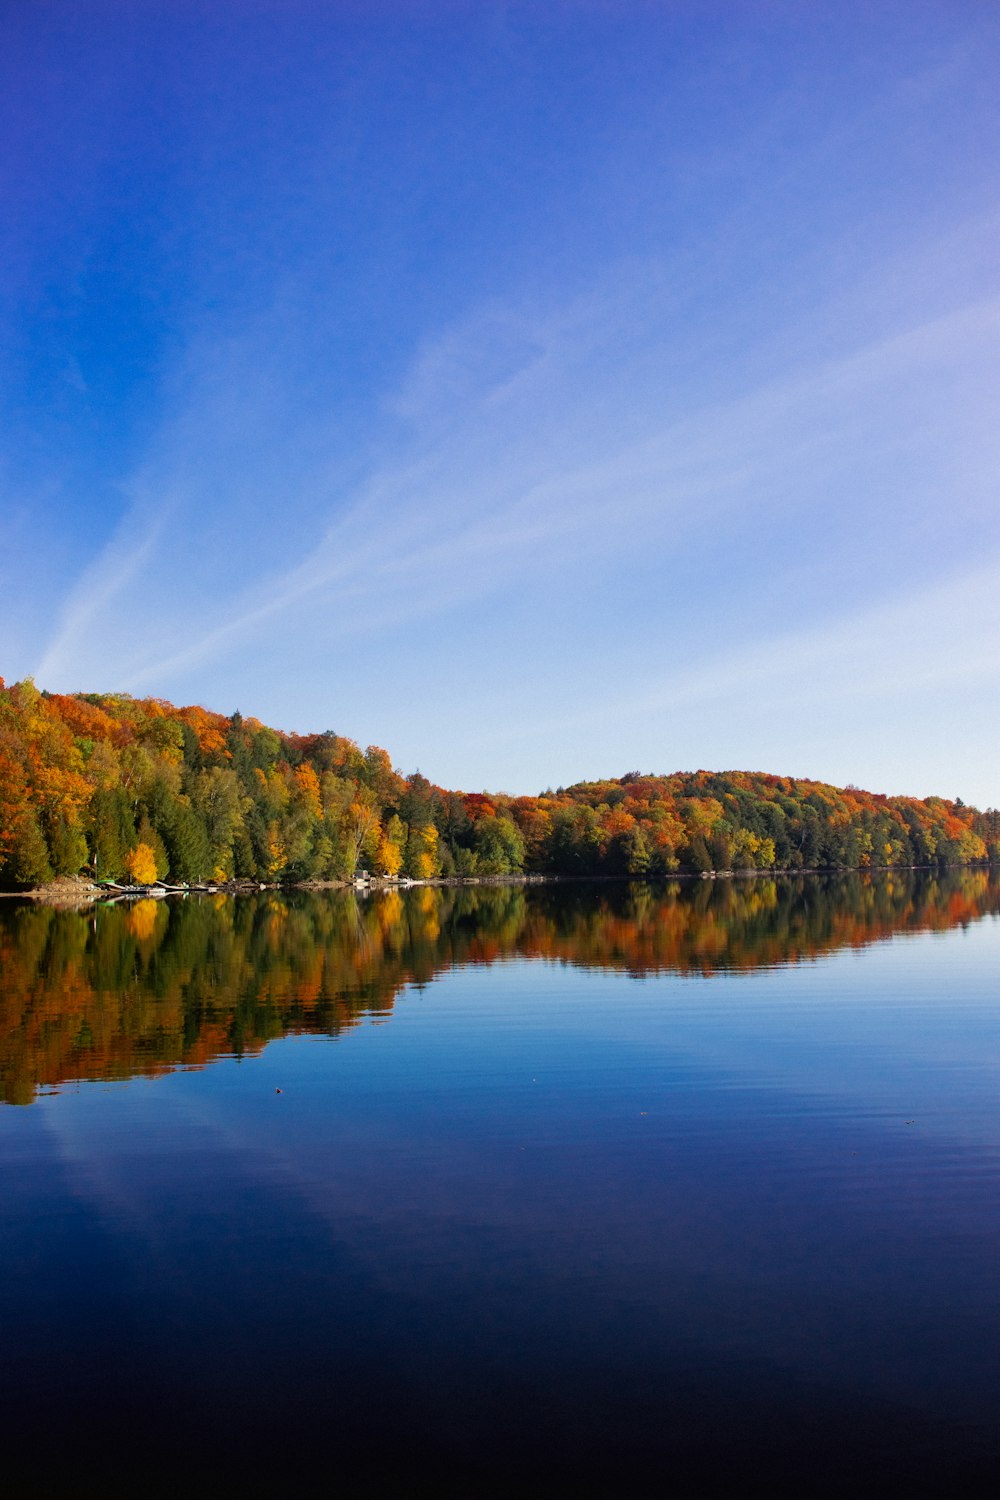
(390, 857)
(276, 856)
(140, 862)
(390, 847)
(423, 852)
(363, 829)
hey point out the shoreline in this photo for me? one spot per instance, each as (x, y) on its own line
(69, 892)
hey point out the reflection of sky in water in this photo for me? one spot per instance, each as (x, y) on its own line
(535, 1173)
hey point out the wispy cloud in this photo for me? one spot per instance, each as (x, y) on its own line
(915, 643)
(900, 695)
(516, 439)
(102, 585)
(786, 507)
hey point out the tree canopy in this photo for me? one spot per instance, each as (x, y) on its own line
(121, 786)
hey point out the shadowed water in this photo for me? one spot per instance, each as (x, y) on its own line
(506, 1187)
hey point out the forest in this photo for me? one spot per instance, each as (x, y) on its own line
(137, 789)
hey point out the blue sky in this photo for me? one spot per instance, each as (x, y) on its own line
(542, 391)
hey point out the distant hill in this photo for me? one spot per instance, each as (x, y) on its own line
(141, 789)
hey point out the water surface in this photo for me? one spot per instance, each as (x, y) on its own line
(506, 1187)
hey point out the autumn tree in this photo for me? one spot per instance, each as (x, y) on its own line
(140, 863)
(362, 829)
(391, 846)
(421, 852)
(24, 859)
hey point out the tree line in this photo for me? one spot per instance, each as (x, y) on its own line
(138, 789)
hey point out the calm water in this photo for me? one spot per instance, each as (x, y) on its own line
(505, 1188)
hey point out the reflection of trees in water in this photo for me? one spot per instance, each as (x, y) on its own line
(141, 989)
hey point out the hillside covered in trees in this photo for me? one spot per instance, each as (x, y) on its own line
(136, 788)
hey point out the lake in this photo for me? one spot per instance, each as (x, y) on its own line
(539, 1188)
